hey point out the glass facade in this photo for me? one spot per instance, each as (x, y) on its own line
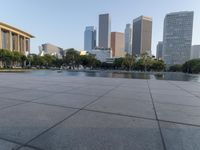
(128, 39)
(177, 37)
(90, 38)
(142, 35)
(104, 31)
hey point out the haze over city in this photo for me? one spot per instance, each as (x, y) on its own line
(63, 22)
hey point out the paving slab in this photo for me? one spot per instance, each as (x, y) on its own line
(139, 89)
(180, 137)
(8, 90)
(5, 145)
(98, 91)
(26, 95)
(106, 126)
(23, 122)
(178, 113)
(129, 94)
(25, 86)
(90, 130)
(177, 99)
(4, 103)
(27, 148)
(124, 106)
(67, 100)
(171, 92)
(55, 88)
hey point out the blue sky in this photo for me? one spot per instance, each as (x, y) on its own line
(62, 22)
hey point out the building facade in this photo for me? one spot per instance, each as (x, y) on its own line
(195, 52)
(142, 35)
(51, 49)
(128, 39)
(177, 37)
(90, 38)
(101, 54)
(14, 39)
(159, 50)
(104, 31)
(117, 44)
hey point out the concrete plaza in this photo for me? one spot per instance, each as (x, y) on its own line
(91, 113)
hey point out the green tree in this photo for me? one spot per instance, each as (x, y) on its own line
(157, 65)
(146, 61)
(72, 58)
(128, 62)
(117, 64)
(6, 57)
(196, 68)
(191, 66)
(175, 68)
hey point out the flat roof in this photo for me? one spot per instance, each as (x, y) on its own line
(179, 12)
(143, 18)
(15, 30)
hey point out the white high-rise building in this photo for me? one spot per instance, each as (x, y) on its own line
(104, 31)
(128, 39)
(177, 38)
(89, 38)
(195, 52)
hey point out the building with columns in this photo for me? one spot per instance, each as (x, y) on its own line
(14, 39)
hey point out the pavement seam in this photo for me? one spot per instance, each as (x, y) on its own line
(37, 136)
(43, 132)
(23, 102)
(11, 141)
(159, 126)
(183, 89)
(117, 114)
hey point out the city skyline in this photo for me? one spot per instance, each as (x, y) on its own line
(61, 28)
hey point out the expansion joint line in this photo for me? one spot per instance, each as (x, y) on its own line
(159, 126)
(78, 110)
(183, 89)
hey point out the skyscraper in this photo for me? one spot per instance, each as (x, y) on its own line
(128, 39)
(195, 52)
(104, 31)
(142, 35)
(117, 44)
(159, 50)
(177, 37)
(89, 38)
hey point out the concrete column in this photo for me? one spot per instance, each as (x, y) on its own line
(10, 41)
(15, 43)
(7, 40)
(18, 43)
(24, 51)
(0, 39)
(28, 46)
